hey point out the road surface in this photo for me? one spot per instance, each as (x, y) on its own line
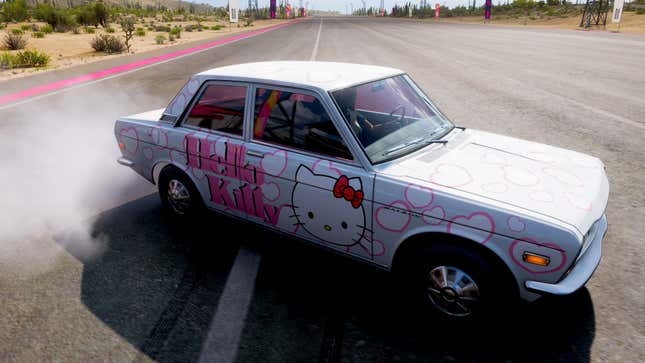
(91, 270)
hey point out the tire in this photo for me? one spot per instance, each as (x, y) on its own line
(483, 291)
(179, 196)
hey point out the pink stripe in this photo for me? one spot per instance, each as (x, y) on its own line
(126, 67)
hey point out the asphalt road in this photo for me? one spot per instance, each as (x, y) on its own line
(91, 270)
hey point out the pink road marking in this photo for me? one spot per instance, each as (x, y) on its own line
(126, 67)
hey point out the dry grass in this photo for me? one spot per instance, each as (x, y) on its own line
(631, 22)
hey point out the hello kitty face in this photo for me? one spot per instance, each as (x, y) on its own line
(329, 208)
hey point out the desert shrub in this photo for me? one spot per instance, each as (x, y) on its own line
(93, 14)
(248, 22)
(640, 11)
(188, 28)
(2, 26)
(89, 30)
(205, 27)
(16, 31)
(60, 19)
(107, 43)
(35, 28)
(217, 27)
(109, 29)
(47, 29)
(159, 39)
(16, 11)
(162, 28)
(38, 34)
(13, 41)
(127, 25)
(31, 58)
(140, 32)
(25, 28)
(76, 29)
(7, 60)
(171, 38)
(176, 31)
(151, 29)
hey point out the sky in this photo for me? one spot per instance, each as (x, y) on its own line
(339, 5)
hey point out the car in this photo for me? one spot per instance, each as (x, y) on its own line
(359, 160)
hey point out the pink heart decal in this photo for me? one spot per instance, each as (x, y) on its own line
(130, 139)
(271, 191)
(495, 187)
(494, 158)
(147, 152)
(395, 220)
(434, 216)
(158, 137)
(515, 224)
(520, 177)
(274, 163)
(563, 176)
(579, 202)
(418, 196)
(551, 250)
(480, 220)
(325, 167)
(450, 175)
(178, 158)
(541, 196)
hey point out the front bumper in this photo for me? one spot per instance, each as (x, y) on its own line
(581, 272)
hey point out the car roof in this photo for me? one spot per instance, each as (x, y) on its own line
(324, 75)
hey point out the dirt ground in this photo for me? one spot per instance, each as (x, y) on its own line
(68, 49)
(630, 23)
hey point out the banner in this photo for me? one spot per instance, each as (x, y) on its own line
(618, 11)
(437, 10)
(488, 7)
(233, 10)
(288, 9)
(273, 8)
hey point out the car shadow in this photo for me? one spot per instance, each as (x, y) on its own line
(158, 282)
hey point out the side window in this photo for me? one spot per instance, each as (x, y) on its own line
(296, 120)
(220, 108)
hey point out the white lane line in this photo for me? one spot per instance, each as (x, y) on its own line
(223, 337)
(314, 52)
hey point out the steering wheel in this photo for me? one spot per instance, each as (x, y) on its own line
(401, 119)
(360, 121)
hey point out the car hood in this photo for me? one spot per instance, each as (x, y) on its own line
(525, 176)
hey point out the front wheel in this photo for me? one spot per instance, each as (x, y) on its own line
(458, 284)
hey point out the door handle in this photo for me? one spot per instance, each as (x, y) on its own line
(257, 154)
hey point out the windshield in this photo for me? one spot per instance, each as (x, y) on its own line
(391, 117)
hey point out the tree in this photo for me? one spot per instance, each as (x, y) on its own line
(127, 24)
(14, 10)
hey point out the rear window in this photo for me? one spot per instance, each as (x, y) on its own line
(219, 108)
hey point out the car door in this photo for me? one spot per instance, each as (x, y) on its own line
(213, 145)
(311, 184)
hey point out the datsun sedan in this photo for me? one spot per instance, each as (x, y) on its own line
(359, 160)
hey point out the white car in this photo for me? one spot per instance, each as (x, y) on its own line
(359, 160)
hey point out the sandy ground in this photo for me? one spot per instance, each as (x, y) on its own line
(68, 49)
(631, 22)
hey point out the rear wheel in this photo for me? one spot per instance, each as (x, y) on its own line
(178, 194)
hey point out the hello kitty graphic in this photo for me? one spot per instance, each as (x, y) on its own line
(330, 208)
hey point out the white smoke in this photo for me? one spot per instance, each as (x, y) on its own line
(57, 171)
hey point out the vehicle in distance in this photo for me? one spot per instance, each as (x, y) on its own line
(358, 159)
